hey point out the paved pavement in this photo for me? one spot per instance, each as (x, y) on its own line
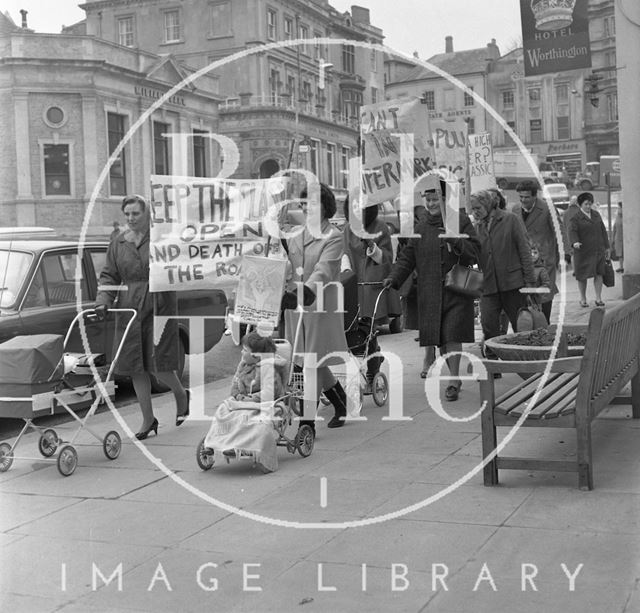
(142, 533)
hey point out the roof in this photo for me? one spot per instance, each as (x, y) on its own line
(455, 63)
(6, 23)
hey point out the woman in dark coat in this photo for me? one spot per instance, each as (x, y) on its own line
(126, 270)
(446, 318)
(588, 237)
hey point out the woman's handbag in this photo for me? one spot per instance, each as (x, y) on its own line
(464, 280)
(609, 277)
(531, 317)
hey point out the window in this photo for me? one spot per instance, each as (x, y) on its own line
(535, 130)
(57, 181)
(306, 91)
(430, 100)
(304, 34)
(317, 48)
(610, 60)
(55, 117)
(274, 84)
(348, 59)
(562, 112)
(471, 126)
(508, 99)
(508, 140)
(344, 167)
(374, 60)
(200, 153)
(609, 26)
(612, 106)
(315, 147)
(291, 86)
(468, 98)
(161, 148)
(351, 103)
(331, 164)
(125, 31)
(374, 95)
(172, 26)
(220, 24)
(272, 24)
(116, 128)
(288, 28)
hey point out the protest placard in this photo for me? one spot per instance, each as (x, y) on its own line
(481, 170)
(382, 126)
(201, 228)
(260, 290)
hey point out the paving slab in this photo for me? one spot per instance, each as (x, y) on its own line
(20, 509)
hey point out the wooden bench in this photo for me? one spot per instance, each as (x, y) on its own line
(572, 396)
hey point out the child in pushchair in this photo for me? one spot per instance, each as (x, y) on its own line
(251, 423)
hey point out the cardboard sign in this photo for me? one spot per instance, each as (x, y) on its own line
(260, 290)
(382, 126)
(202, 228)
(481, 169)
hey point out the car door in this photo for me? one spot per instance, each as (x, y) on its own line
(50, 304)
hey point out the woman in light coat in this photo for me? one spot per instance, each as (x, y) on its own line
(315, 262)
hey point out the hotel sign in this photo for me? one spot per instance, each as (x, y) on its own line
(555, 35)
(155, 94)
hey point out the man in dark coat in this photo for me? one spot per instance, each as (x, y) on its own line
(538, 221)
(505, 260)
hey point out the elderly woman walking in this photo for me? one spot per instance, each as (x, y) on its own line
(505, 260)
(588, 237)
(446, 318)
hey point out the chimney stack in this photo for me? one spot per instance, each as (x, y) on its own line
(448, 44)
(24, 19)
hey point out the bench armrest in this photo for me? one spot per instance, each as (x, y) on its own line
(570, 364)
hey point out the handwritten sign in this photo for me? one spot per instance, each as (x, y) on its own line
(260, 290)
(201, 229)
(481, 170)
(381, 127)
(449, 143)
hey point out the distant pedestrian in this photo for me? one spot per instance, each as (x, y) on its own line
(588, 236)
(116, 230)
(618, 246)
(538, 221)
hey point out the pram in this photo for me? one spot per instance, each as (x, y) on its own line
(38, 376)
(239, 425)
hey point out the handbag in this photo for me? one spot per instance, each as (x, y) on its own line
(609, 277)
(464, 280)
(530, 317)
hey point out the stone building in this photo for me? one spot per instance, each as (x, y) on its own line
(470, 66)
(66, 102)
(294, 105)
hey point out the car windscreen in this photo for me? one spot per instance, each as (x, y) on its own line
(13, 272)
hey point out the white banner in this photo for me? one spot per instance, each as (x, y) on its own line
(201, 228)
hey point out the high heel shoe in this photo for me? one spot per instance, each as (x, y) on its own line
(143, 434)
(180, 419)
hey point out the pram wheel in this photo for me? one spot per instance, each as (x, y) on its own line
(304, 440)
(6, 457)
(67, 460)
(380, 388)
(48, 443)
(204, 456)
(112, 444)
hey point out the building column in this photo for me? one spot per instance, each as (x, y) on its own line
(628, 59)
(140, 182)
(90, 144)
(25, 212)
(180, 146)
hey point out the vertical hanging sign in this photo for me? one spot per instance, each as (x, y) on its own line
(555, 35)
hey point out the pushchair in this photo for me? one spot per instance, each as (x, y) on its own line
(252, 431)
(361, 337)
(38, 376)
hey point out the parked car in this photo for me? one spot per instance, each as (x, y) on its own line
(558, 193)
(38, 295)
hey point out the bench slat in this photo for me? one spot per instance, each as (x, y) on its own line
(524, 394)
(563, 397)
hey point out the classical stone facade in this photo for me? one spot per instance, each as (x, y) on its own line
(285, 104)
(66, 102)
